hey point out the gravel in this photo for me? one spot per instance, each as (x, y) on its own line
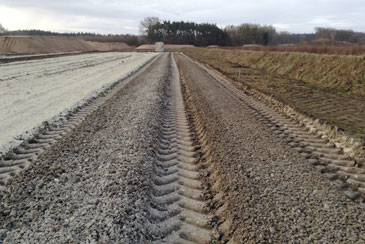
(93, 185)
(32, 92)
(273, 195)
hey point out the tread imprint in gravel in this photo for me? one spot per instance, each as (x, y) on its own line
(312, 145)
(178, 213)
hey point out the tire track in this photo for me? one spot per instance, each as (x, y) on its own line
(313, 144)
(178, 213)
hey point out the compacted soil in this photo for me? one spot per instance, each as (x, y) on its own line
(272, 194)
(175, 157)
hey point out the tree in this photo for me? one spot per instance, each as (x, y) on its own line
(146, 25)
(265, 36)
(250, 34)
(340, 35)
(182, 32)
(2, 29)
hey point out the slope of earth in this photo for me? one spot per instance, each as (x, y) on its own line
(93, 186)
(271, 193)
(42, 44)
(54, 44)
(32, 92)
(327, 87)
(109, 46)
(342, 73)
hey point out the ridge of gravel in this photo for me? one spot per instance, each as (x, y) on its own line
(272, 194)
(93, 185)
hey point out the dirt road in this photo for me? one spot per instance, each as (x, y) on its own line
(176, 156)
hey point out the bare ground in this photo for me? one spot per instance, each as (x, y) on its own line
(93, 185)
(272, 194)
(98, 184)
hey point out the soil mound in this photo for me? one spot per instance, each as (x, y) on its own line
(53, 44)
(109, 46)
(41, 44)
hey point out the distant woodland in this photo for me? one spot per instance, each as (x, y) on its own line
(153, 29)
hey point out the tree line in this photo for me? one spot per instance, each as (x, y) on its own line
(236, 35)
(180, 32)
(152, 29)
(210, 34)
(340, 35)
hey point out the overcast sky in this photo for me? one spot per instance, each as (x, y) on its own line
(122, 16)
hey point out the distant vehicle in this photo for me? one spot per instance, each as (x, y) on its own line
(160, 47)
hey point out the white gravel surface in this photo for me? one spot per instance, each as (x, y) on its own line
(32, 92)
(13, 56)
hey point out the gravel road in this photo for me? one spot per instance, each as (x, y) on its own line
(32, 92)
(272, 194)
(164, 162)
(93, 185)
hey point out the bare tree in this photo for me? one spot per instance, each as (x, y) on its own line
(146, 24)
(2, 29)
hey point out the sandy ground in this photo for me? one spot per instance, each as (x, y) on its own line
(36, 91)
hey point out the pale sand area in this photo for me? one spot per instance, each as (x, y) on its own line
(32, 92)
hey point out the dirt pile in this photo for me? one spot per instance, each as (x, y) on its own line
(41, 44)
(109, 46)
(53, 44)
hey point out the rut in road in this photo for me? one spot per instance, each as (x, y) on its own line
(178, 212)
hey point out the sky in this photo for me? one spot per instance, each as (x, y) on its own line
(122, 16)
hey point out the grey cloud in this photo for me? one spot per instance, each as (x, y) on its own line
(295, 15)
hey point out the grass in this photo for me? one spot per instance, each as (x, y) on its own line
(317, 47)
(344, 74)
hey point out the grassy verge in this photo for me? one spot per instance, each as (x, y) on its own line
(328, 87)
(314, 47)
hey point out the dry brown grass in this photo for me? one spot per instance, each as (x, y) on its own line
(319, 48)
(328, 87)
(342, 73)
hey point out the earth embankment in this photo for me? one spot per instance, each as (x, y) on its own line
(330, 88)
(53, 44)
